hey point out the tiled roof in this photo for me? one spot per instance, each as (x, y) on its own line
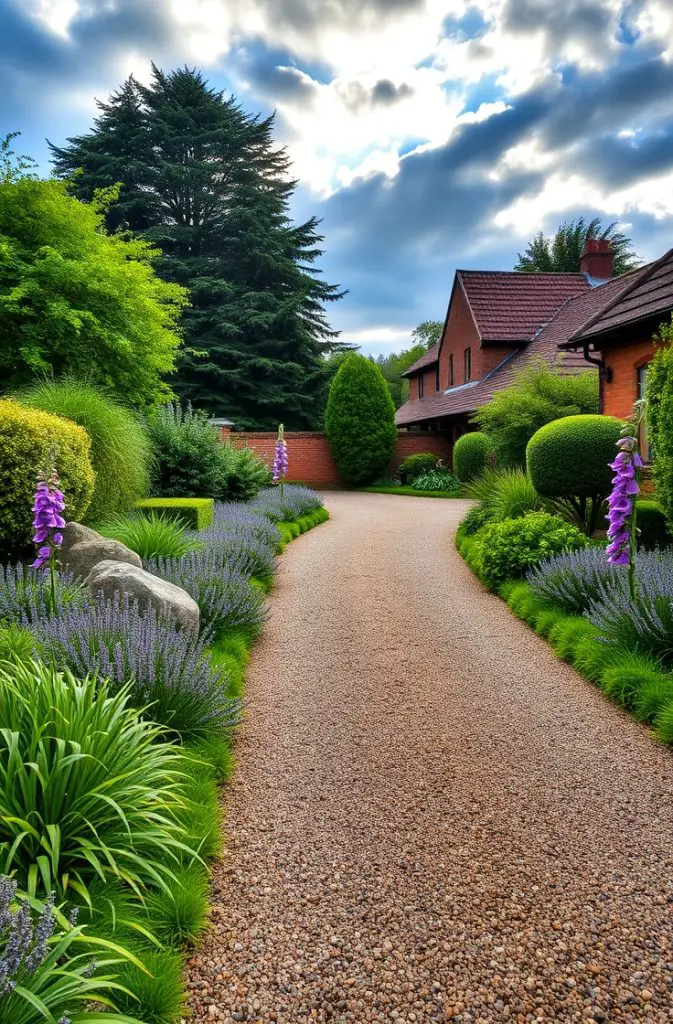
(427, 359)
(647, 293)
(509, 306)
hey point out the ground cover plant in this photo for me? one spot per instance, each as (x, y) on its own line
(116, 734)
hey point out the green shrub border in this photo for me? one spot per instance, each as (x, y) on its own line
(411, 492)
(619, 674)
(194, 513)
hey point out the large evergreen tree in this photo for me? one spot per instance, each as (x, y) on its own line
(205, 182)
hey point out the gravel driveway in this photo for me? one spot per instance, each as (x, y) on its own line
(432, 818)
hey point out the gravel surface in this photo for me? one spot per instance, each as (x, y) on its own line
(432, 818)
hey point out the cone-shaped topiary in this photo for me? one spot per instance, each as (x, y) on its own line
(470, 455)
(569, 458)
(360, 421)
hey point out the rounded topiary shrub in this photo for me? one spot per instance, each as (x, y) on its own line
(470, 455)
(415, 465)
(569, 458)
(360, 421)
(510, 548)
(30, 441)
(652, 527)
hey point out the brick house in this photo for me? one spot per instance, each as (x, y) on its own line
(500, 321)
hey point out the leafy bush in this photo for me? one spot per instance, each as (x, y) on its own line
(470, 455)
(646, 623)
(293, 503)
(660, 419)
(574, 579)
(41, 974)
(120, 448)
(170, 670)
(537, 396)
(437, 480)
(415, 465)
(475, 519)
(151, 536)
(16, 644)
(360, 421)
(570, 458)
(86, 790)
(508, 549)
(194, 513)
(25, 594)
(652, 528)
(191, 461)
(30, 440)
(228, 601)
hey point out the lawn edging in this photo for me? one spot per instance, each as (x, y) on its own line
(411, 492)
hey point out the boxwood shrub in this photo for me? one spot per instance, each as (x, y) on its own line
(652, 526)
(415, 465)
(470, 455)
(194, 513)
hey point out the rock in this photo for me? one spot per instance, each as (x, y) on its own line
(111, 576)
(83, 548)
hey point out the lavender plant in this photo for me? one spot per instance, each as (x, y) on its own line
(642, 621)
(227, 600)
(573, 579)
(237, 546)
(42, 977)
(295, 501)
(169, 670)
(27, 597)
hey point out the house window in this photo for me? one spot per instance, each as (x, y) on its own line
(468, 364)
(643, 439)
(437, 377)
(450, 371)
(420, 385)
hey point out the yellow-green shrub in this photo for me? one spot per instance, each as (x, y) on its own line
(31, 440)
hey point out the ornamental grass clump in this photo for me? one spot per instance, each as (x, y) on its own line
(169, 670)
(50, 972)
(152, 536)
(86, 789)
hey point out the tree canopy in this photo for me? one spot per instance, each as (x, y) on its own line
(205, 182)
(537, 396)
(74, 299)
(561, 252)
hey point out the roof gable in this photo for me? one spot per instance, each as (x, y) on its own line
(510, 306)
(427, 359)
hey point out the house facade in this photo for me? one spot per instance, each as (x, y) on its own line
(498, 322)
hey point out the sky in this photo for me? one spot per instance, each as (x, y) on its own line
(427, 135)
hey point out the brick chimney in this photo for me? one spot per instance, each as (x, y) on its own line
(596, 259)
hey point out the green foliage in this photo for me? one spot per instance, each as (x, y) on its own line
(592, 656)
(177, 915)
(392, 367)
(86, 790)
(360, 421)
(74, 297)
(156, 991)
(562, 252)
(537, 396)
(30, 441)
(408, 491)
(505, 494)
(471, 454)
(654, 695)
(664, 722)
(437, 481)
(16, 643)
(652, 528)
(151, 536)
(194, 513)
(416, 464)
(632, 674)
(428, 333)
(247, 474)
(207, 182)
(509, 548)
(120, 448)
(570, 458)
(660, 419)
(566, 634)
(13, 166)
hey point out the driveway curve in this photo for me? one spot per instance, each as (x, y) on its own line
(432, 818)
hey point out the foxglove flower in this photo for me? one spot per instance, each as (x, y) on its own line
(621, 502)
(280, 461)
(48, 521)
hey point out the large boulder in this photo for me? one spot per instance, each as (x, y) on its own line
(83, 548)
(110, 577)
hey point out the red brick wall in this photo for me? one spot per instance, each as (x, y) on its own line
(621, 392)
(310, 459)
(460, 334)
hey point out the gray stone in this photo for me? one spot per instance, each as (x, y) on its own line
(83, 548)
(110, 577)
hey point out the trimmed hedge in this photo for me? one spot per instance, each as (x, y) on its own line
(195, 513)
(360, 421)
(415, 465)
(31, 440)
(470, 455)
(570, 457)
(651, 522)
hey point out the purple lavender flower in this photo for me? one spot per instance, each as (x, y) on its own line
(621, 503)
(48, 522)
(23, 943)
(280, 461)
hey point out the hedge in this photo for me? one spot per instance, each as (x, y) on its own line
(470, 455)
(195, 513)
(31, 441)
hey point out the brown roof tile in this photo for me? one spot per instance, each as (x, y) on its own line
(427, 359)
(511, 306)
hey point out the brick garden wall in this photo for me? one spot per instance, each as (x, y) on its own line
(310, 457)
